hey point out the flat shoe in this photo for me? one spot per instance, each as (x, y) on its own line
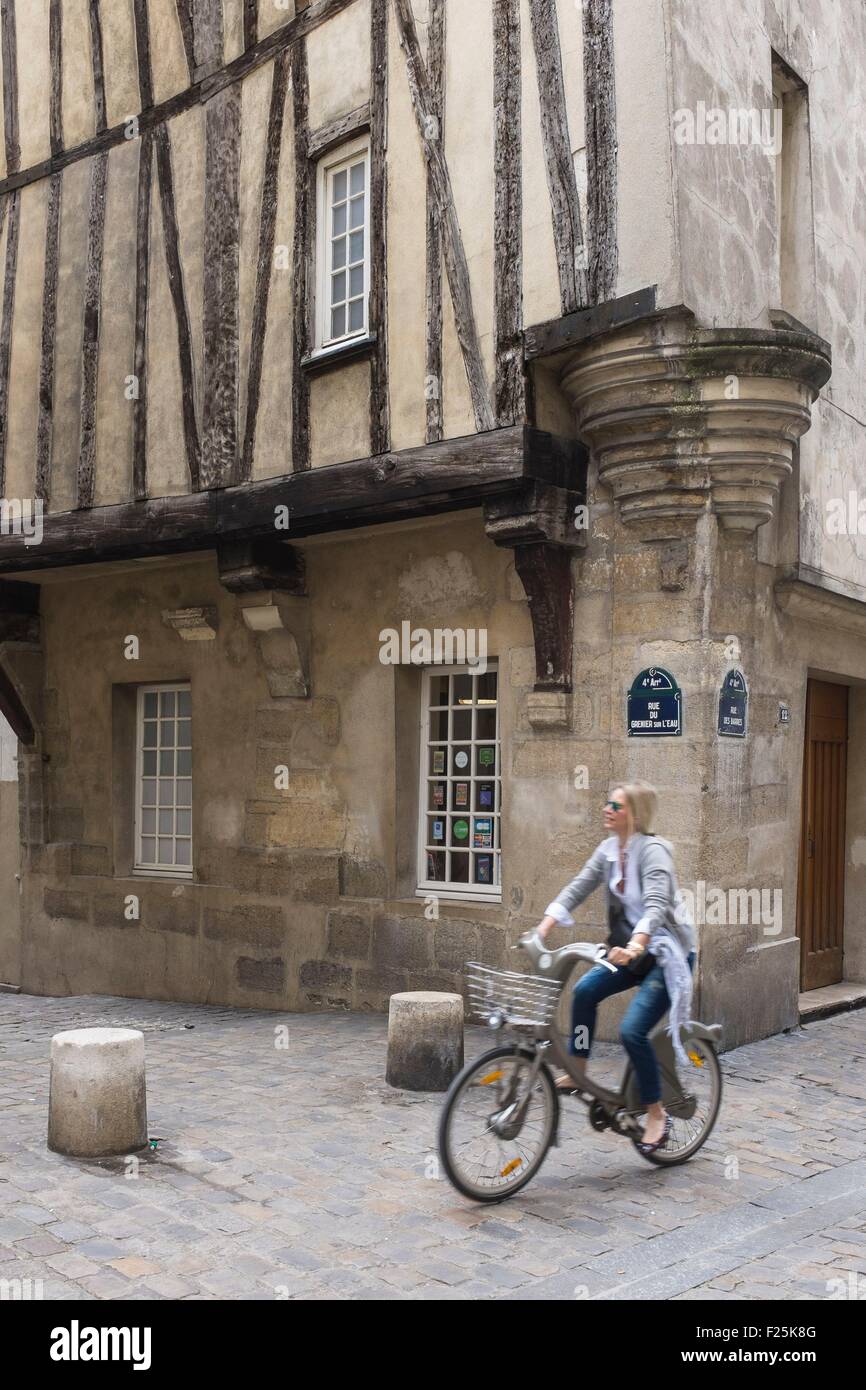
(568, 1089)
(660, 1143)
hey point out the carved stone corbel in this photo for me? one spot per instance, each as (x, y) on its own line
(681, 418)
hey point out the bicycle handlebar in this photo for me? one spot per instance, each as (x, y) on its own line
(553, 961)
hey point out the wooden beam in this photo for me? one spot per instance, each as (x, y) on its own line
(178, 295)
(265, 266)
(561, 179)
(142, 48)
(251, 23)
(9, 46)
(207, 36)
(433, 386)
(45, 413)
(545, 572)
(252, 566)
(142, 294)
(380, 408)
(509, 389)
(142, 254)
(96, 58)
(90, 332)
(185, 19)
(303, 251)
(12, 709)
(221, 329)
(426, 480)
(199, 91)
(601, 174)
(339, 131)
(13, 219)
(55, 95)
(455, 256)
(557, 335)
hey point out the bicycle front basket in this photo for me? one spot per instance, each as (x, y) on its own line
(524, 1001)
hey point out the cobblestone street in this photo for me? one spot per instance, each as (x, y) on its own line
(295, 1172)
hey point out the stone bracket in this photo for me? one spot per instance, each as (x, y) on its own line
(545, 572)
(192, 624)
(281, 627)
(534, 513)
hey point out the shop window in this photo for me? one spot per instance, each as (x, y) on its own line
(344, 246)
(460, 801)
(163, 782)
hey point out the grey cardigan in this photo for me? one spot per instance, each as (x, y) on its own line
(658, 882)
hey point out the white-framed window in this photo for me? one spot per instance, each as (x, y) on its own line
(460, 795)
(163, 781)
(344, 245)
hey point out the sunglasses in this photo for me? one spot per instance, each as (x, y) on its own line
(614, 805)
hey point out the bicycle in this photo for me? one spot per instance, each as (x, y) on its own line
(506, 1100)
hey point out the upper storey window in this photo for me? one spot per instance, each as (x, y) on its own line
(344, 242)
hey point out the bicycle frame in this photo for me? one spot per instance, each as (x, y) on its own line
(622, 1106)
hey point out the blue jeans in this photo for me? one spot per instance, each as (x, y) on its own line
(649, 1005)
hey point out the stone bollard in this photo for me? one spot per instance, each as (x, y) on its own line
(97, 1103)
(425, 1040)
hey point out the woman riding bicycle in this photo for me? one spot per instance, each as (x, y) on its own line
(651, 943)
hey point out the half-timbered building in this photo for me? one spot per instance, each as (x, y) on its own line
(385, 386)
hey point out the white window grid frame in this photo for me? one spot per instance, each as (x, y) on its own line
(328, 167)
(139, 867)
(449, 890)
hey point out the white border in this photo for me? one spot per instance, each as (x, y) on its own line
(154, 870)
(328, 164)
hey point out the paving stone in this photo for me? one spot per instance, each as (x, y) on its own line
(255, 1193)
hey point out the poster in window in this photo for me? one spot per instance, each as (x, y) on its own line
(461, 759)
(438, 830)
(438, 760)
(486, 756)
(439, 795)
(485, 797)
(461, 830)
(483, 866)
(461, 796)
(483, 837)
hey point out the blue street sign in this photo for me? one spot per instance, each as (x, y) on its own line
(655, 705)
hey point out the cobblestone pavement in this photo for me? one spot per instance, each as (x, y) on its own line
(296, 1172)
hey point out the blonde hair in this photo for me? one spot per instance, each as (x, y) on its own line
(642, 803)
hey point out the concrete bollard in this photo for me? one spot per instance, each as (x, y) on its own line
(97, 1103)
(425, 1040)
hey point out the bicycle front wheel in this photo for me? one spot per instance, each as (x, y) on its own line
(497, 1124)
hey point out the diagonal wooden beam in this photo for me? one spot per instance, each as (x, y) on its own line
(452, 242)
(96, 55)
(601, 174)
(142, 254)
(561, 179)
(509, 390)
(185, 18)
(174, 267)
(265, 266)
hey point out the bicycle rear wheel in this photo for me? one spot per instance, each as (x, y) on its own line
(693, 1117)
(481, 1156)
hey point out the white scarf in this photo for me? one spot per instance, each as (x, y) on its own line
(678, 983)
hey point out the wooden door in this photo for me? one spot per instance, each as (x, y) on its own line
(821, 892)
